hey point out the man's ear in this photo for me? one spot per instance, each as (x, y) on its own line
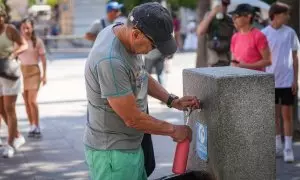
(136, 33)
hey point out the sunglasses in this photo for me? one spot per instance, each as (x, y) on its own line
(148, 37)
(240, 15)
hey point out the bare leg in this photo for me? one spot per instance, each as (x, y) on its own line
(287, 115)
(2, 110)
(34, 110)
(27, 105)
(10, 109)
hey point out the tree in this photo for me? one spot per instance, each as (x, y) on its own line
(203, 7)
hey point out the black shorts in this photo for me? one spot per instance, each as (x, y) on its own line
(284, 96)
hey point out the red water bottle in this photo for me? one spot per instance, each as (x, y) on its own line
(181, 157)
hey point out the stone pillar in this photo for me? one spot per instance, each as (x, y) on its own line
(239, 114)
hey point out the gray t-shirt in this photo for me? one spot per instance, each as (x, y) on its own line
(97, 26)
(111, 71)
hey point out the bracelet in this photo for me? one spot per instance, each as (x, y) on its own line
(171, 98)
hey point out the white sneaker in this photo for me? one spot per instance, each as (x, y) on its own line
(8, 152)
(279, 152)
(288, 155)
(18, 142)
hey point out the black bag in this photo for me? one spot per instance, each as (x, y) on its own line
(149, 157)
(10, 69)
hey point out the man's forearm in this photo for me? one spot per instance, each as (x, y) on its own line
(133, 117)
(156, 90)
(203, 26)
(259, 64)
(151, 125)
(90, 37)
(22, 47)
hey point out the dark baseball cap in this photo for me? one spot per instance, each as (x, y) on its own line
(156, 22)
(243, 9)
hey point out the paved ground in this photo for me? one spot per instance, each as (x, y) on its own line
(59, 154)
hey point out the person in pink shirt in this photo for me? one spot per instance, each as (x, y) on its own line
(249, 46)
(31, 74)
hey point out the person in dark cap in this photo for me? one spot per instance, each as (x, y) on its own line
(217, 26)
(117, 87)
(113, 11)
(249, 46)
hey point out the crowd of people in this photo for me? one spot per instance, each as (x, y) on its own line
(117, 84)
(118, 127)
(237, 42)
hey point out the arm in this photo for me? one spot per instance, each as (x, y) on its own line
(42, 55)
(126, 108)
(205, 23)
(263, 47)
(15, 36)
(159, 92)
(295, 49)
(90, 36)
(116, 87)
(295, 65)
(156, 90)
(266, 60)
(93, 31)
(44, 66)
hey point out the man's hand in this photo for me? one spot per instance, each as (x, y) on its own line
(13, 56)
(216, 10)
(181, 132)
(239, 64)
(44, 80)
(295, 88)
(186, 102)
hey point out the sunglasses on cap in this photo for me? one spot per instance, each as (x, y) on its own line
(148, 37)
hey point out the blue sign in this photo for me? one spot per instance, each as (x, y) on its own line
(201, 141)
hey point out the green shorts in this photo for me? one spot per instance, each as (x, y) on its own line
(115, 164)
